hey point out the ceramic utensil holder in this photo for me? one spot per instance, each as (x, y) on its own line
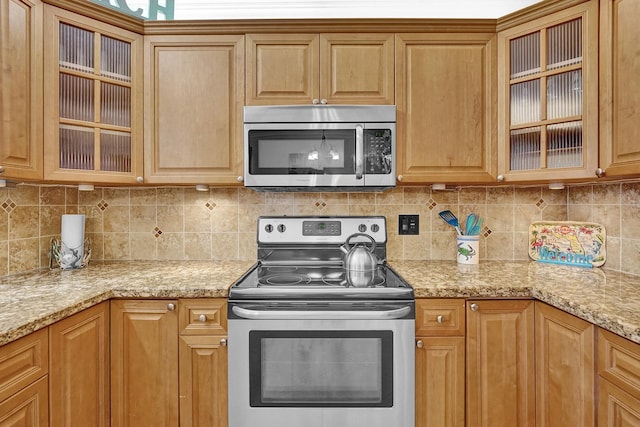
(468, 249)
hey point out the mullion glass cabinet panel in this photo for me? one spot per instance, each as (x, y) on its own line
(76, 98)
(76, 48)
(525, 102)
(115, 151)
(76, 147)
(525, 55)
(115, 58)
(564, 44)
(564, 145)
(525, 148)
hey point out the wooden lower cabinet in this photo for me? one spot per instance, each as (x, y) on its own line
(440, 358)
(203, 381)
(169, 363)
(565, 369)
(619, 376)
(203, 362)
(79, 373)
(617, 408)
(500, 363)
(440, 382)
(24, 365)
(144, 363)
(27, 408)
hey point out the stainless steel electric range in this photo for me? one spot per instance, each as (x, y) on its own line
(321, 329)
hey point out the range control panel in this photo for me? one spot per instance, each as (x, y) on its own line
(297, 229)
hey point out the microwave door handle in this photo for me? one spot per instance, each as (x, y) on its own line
(359, 151)
(320, 315)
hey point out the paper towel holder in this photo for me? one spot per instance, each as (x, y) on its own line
(56, 258)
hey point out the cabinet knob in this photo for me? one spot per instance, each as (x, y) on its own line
(400, 178)
(419, 344)
(240, 178)
(1, 169)
(171, 306)
(223, 342)
(323, 101)
(474, 307)
(139, 180)
(315, 102)
(440, 318)
(500, 178)
(600, 172)
(202, 318)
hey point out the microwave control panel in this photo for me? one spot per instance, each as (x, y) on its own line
(377, 151)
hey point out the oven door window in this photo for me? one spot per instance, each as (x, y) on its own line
(321, 368)
(304, 151)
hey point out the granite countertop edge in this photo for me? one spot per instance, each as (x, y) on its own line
(38, 299)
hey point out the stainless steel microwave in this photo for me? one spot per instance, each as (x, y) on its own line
(320, 147)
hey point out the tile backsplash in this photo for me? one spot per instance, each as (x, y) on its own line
(179, 223)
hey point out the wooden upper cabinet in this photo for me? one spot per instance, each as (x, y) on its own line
(21, 82)
(92, 101)
(548, 96)
(352, 68)
(193, 103)
(619, 87)
(445, 92)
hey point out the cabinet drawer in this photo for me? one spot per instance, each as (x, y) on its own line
(619, 361)
(203, 316)
(441, 317)
(23, 361)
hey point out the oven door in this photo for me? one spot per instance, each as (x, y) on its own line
(342, 365)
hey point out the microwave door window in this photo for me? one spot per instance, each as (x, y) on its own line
(278, 152)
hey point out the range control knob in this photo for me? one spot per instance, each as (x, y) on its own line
(268, 228)
(375, 228)
(362, 228)
(281, 228)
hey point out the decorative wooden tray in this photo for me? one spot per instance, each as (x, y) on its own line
(570, 243)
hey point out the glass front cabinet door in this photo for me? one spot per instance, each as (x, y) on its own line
(548, 126)
(93, 100)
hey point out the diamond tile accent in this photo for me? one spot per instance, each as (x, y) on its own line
(486, 231)
(320, 204)
(8, 205)
(541, 204)
(431, 204)
(157, 232)
(210, 205)
(102, 205)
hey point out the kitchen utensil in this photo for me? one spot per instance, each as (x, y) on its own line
(448, 217)
(473, 224)
(360, 261)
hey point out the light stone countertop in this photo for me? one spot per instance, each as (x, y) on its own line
(35, 300)
(608, 299)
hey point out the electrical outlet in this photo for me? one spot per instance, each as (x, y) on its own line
(409, 224)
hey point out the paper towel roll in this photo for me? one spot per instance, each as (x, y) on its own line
(72, 237)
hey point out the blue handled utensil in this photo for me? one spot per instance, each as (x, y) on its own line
(448, 217)
(472, 225)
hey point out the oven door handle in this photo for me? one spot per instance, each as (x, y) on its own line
(319, 314)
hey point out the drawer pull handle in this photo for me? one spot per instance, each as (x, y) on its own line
(202, 318)
(474, 307)
(171, 306)
(419, 344)
(440, 318)
(223, 342)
